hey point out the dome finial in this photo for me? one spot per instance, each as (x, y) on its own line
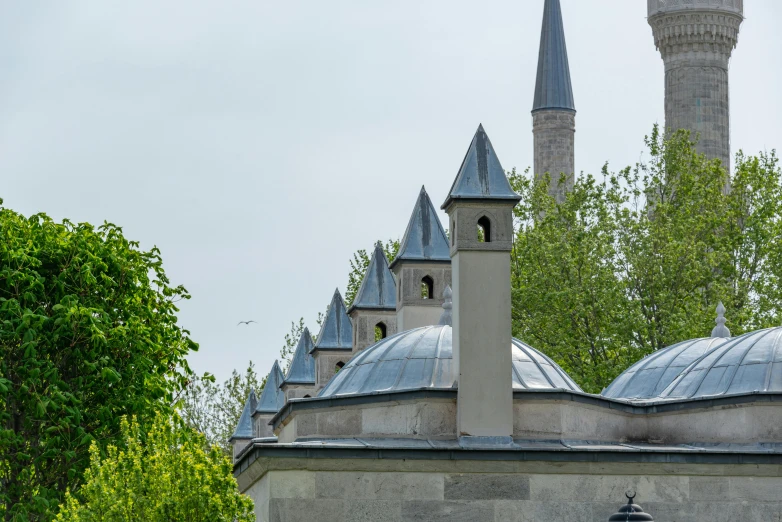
(720, 330)
(447, 318)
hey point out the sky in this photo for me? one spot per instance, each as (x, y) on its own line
(260, 144)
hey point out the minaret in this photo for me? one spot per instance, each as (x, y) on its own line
(696, 40)
(480, 207)
(554, 111)
(422, 268)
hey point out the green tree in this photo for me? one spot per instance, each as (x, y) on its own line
(88, 333)
(358, 268)
(638, 261)
(163, 475)
(214, 409)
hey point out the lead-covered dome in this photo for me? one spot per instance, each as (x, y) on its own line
(647, 378)
(746, 364)
(423, 358)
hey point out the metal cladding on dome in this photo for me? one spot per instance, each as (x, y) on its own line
(378, 289)
(423, 358)
(647, 378)
(747, 364)
(425, 238)
(244, 428)
(272, 397)
(481, 176)
(337, 330)
(302, 370)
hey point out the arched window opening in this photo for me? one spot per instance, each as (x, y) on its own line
(427, 288)
(338, 366)
(380, 331)
(484, 230)
(307, 397)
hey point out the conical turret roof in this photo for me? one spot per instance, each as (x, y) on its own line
(336, 332)
(244, 428)
(302, 370)
(272, 397)
(481, 176)
(425, 238)
(378, 289)
(553, 89)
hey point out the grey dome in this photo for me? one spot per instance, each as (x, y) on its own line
(423, 358)
(746, 364)
(647, 378)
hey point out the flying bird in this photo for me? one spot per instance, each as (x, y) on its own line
(245, 322)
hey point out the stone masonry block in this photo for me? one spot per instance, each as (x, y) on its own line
(379, 486)
(447, 511)
(486, 487)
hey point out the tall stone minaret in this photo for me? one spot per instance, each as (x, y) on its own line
(553, 111)
(696, 39)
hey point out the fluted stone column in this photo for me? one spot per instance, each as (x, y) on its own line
(696, 39)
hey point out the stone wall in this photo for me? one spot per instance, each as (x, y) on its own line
(554, 135)
(412, 310)
(364, 322)
(326, 365)
(537, 492)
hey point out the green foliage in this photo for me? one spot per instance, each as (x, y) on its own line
(638, 261)
(88, 334)
(214, 409)
(359, 265)
(163, 475)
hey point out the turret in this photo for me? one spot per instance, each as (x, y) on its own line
(271, 401)
(373, 311)
(334, 345)
(300, 379)
(553, 110)
(422, 268)
(243, 434)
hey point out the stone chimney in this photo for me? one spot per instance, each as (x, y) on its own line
(480, 207)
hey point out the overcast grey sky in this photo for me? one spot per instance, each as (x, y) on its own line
(259, 144)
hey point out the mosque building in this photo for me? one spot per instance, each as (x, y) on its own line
(447, 417)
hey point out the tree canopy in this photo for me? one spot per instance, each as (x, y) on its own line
(639, 260)
(165, 474)
(88, 334)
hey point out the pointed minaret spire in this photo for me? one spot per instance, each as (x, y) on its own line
(553, 89)
(720, 330)
(243, 434)
(553, 110)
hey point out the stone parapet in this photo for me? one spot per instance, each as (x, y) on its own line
(710, 34)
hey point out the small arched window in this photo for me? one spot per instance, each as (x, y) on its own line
(427, 288)
(484, 230)
(380, 331)
(306, 397)
(338, 366)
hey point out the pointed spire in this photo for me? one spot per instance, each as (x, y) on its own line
(302, 370)
(481, 176)
(553, 89)
(244, 428)
(447, 318)
(272, 397)
(424, 239)
(378, 289)
(720, 330)
(336, 332)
